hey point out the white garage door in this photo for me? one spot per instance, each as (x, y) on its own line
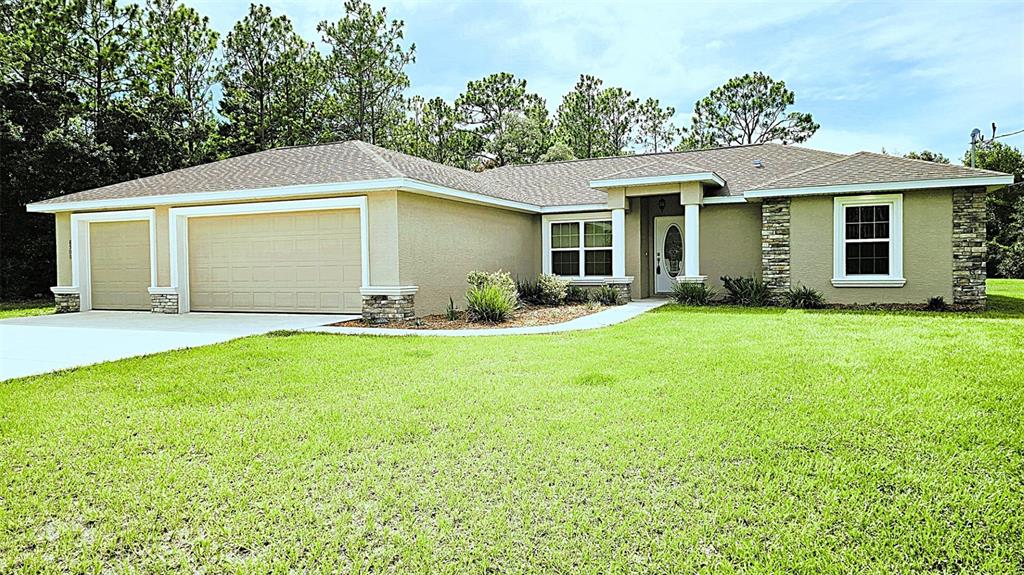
(119, 268)
(281, 262)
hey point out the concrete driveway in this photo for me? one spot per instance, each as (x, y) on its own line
(33, 345)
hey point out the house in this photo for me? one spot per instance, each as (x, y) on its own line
(354, 228)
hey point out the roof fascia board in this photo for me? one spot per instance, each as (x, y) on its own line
(724, 200)
(406, 184)
(567, 209)
(650, 180)
(881, 187)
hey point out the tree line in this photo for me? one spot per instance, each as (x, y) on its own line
(94, 92)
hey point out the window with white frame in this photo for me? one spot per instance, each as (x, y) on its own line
(581, 249)
(868, 240)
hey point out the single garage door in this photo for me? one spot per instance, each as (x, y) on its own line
(119, 271)
(281, 262)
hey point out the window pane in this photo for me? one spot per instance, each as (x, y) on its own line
(565, 263)
(565, 235)
(597, 234)
(867, 222)
(867, 258)
(598, 263)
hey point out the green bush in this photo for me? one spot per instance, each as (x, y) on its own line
(551, 289)
(528, 291)
(607, 295)
(937, 303)
(746, 291)
(804, 297)
(499, 278)
(690, 293)
(576, 295)
(490, 303)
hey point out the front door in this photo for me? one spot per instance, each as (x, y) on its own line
(668, 252)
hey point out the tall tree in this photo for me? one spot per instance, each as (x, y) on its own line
(928, 156)
(432, 132)
(263, 91)
(618, 117)
(655, 131)
(366, 70)
(578, 119)
(178, 59)
(596, 122)
(511, 124)
(749, 109)
(1005, 239)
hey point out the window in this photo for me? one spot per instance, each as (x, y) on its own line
(581, 248)
(868, 242)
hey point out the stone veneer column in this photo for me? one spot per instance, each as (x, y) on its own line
(775, 264)
(969, 248)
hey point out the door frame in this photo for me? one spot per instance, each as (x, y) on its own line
(178, 232)
(655, 248)
(81, 256)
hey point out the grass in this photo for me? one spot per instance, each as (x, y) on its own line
(715, 440)
(23, 308)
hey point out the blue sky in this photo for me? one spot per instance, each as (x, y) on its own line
(901, 76)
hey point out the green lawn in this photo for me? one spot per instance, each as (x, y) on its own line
(718, 440)
(9, 309)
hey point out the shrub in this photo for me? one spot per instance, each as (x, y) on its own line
(937, 303)
(690, 293)
(490, 303)
(804, 297)
(577, 295)
(451, 312)
(607, 295)
(746, 291)
(551, 289)
(528, 291)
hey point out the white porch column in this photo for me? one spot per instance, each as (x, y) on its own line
(691, 259)
(619, 242)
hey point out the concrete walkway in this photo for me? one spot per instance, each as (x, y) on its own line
(610, 316)
(34, 345)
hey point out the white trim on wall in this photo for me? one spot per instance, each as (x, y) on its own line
(881, 187)
(895, 276)
(581, 218)
(81, 256)
(178, 232)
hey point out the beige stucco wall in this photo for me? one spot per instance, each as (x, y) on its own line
(634, 250)
(730, 242)
(440, 241)
(63, 242)
(927, 249)
(163, 247)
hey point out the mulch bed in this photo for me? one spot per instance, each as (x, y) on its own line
(525, 317)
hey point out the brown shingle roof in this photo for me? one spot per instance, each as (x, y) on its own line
(549, 184)
(870, 168)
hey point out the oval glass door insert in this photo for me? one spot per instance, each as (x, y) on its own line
(673, 250)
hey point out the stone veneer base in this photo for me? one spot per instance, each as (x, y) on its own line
(67, 302)
(381, 309)
(163, 303)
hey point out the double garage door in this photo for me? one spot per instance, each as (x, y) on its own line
(297, 262)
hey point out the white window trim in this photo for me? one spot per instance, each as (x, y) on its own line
(81, 256)
(579, 219)
(895, 276)
(178, 232)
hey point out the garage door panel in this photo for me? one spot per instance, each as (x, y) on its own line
(120, 265)
(288, 262)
